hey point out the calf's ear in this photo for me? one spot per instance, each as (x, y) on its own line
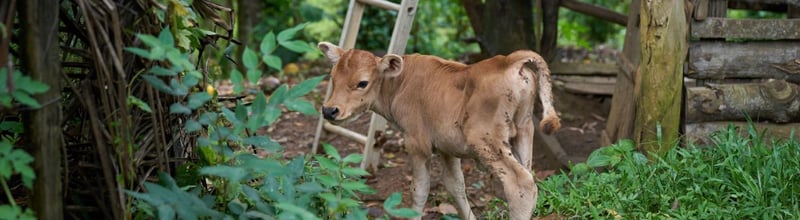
(331, 51)
(391, 65)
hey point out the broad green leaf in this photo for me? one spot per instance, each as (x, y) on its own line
(27, 84)
(300, 105)
(268, 43)
(26, 99)
(230, 116)
(297, 46)
(157, 53)
(165, 37)
(132, 100)
(178, 108)
(291, 208)
(249, 58)
(208, 118)
(326, 163)
(198, 99)
(139, 52)
(12, 126)
(253, 75)
(392, 202)
(161, 71)
(237, 207)
(149, 40)
(355, 186)
(262, 142)
(233, 174)
(238, 81)
(190, 81)
(178, 89)
(310, 187)
(158, 84)
(271, 114)
(192, 126)
(305, 87)
(331, 151)
(278, 96)
(353, 158)
(289, 33)
(355, 172)
(272, 61)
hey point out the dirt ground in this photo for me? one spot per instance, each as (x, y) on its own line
(583, 117)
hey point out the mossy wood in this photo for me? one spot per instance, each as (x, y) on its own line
(774, 101)
(664, 31)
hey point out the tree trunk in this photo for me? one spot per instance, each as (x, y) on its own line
(39, 19)
(501, 26)
(622, 113)
(248, 15)
(777, 101)
(549, 29)
(664, 42)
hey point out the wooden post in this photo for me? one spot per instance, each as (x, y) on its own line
(621, 115)
(39, 19)
(664, 44)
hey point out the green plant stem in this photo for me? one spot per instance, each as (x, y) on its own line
(8, 192)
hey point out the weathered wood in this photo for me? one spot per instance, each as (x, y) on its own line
(776, 29)
(595, 11)
(776, 101)
(588, 84)
(664, 31)
(559, 68)
(39, 19)
(701, 10)
(622, 113)
(720, 60)
(382, 4)
(700, 133)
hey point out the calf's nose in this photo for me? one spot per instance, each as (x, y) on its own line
(330, 112)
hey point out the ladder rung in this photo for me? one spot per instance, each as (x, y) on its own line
(382, 4)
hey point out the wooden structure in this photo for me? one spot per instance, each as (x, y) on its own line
(402, 27)
(745, 69)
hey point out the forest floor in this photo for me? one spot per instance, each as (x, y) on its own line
(583, 118)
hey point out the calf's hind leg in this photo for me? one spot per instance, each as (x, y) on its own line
(453, 179)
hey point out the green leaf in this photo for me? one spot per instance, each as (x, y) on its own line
(165, 37)
(149, 40)
(278, 96)
(305, 87)
(296, 46)
(355, 172)
(392, 202)
(158, 84)
(262, 142)
(326, 163)
(331, 151)
(192, 126)
(300, 105)
(233, 174)
(161, 71)
(355, 185)
(291, 208)
(289, 33)
(237, 207)
(271, 114)
(268, 43)
(26, 99)
(253, 75)
(273, 61)
(178, 108)
(249, 58)
(353, 158)
(132, 100)
(238, 81)
(198, 99)
(208, 118)
(139, 52)
(230, 116)
(310, 187)
(178, 89)
(25, 83)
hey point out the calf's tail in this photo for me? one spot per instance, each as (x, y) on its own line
(550, 121)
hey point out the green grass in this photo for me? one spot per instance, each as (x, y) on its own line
(736, 178)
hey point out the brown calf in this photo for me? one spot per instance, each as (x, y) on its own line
(482, 111)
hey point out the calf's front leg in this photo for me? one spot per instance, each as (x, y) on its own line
(422, 181)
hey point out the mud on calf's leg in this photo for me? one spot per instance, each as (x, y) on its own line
(518, 184)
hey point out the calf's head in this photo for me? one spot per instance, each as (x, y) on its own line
(356, 78)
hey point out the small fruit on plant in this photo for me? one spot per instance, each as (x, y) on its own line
(291, 68)
(210, 89)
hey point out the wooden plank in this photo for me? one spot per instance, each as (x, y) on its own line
(775, 101)
(720, 60)
(559, 68)
(382, 4)
(595, 11)
(700, 133)
(621, 115)
(776, 29)
(664, 46)
(589, 88)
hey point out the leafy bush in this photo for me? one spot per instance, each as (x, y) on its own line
(229, 181)
(14, 161)
(737, 178)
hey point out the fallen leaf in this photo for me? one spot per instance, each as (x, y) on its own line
(388, 155)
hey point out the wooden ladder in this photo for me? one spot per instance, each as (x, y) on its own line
(402, 27)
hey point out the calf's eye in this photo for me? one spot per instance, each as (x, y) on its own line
(362, 84)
